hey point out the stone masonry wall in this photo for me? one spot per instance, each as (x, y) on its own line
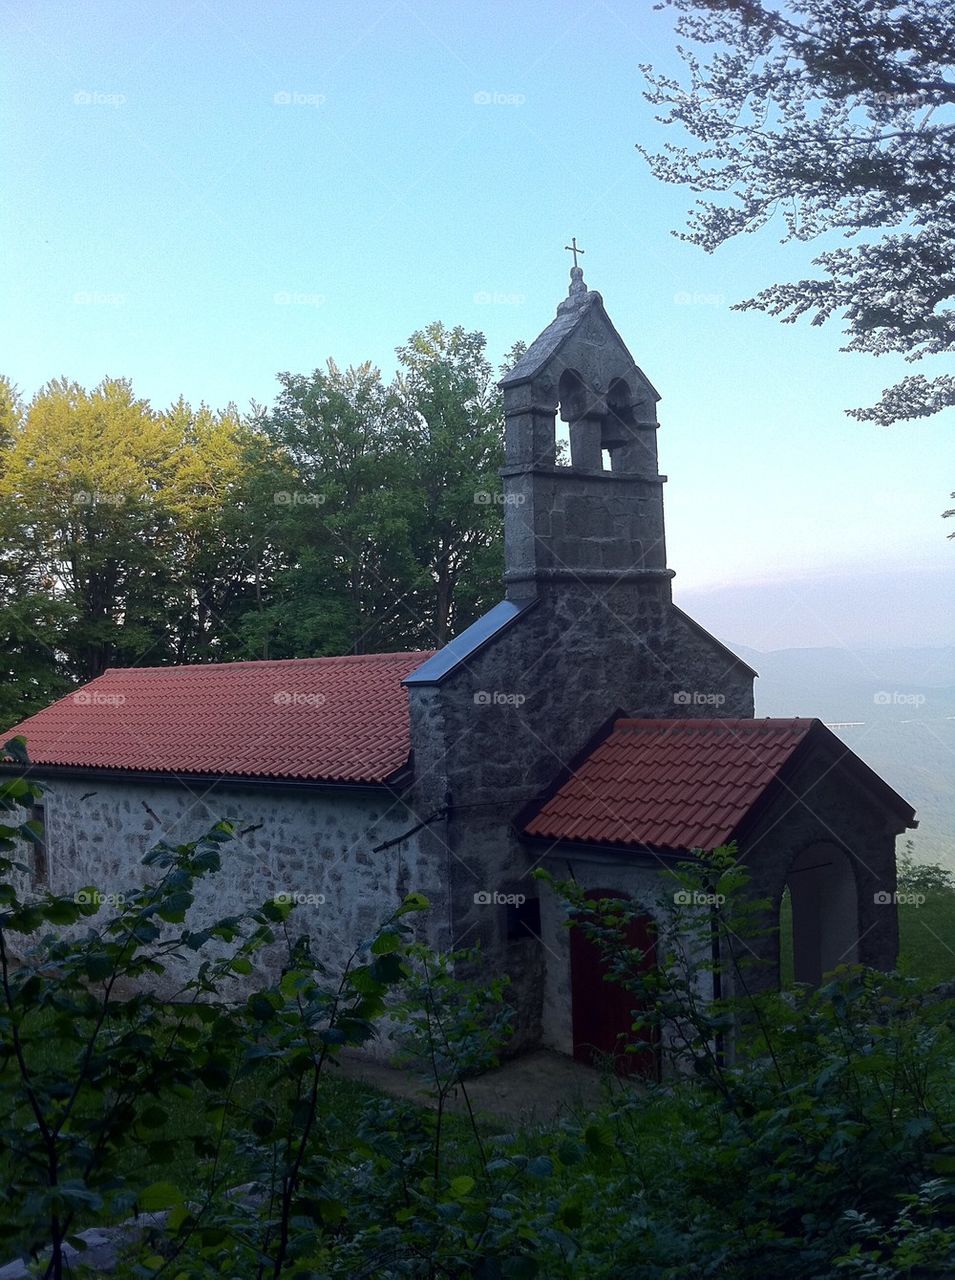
(311, 843)
(500, 729)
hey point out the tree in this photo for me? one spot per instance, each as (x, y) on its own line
(78, 486)
(342, 512)
(837, 117)
(455, 428)
(126, 536)
(219, 477)
(392, 523)
(31, 667)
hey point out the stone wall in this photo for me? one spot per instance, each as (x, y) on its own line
(315, 844)
(499, 729)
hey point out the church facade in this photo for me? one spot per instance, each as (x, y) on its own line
(585, 724)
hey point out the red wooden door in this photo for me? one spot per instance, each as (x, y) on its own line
(603, 1010)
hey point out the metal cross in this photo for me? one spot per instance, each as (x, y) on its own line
(572, 248)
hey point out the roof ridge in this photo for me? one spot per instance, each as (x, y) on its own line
(348, 658)
(764, 723)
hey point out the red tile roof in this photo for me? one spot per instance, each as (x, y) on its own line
(330, 719)
(670, 784)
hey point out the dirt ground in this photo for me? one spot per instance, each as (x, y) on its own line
(536, 1088)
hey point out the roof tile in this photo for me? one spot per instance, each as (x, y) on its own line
(670, 784)
(318, 719)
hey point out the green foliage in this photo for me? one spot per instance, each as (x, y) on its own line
(392, 531)
(352, 516)
(85, 1072)
(455, 431)
(815, 1130)
(923, 877)
(926, 918)
(93, 1077)
(804, 1134)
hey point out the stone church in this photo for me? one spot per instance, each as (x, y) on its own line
(585, 724)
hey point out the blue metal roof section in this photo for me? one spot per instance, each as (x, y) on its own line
(467, 644)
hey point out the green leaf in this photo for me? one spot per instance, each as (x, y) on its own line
(154, 1117)
(388, 969)
(260, 1007)
(386, 943)
(98, 966)
(174, 908)
(413, 902)
(571, 1216)
(522, 1268)
(332, 1212)
(598, 1138)
(61, 911)
(570, 1152)
(160, 1195)
(461, 1186)
(177, 1216)
(77, 1193)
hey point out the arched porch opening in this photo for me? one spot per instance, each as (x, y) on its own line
(819, 914)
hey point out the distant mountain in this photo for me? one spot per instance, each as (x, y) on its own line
(894, 707)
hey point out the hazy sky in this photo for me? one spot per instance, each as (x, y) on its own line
(198, 195)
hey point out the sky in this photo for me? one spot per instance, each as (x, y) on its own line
(200, 195)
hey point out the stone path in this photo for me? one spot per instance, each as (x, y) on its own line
(536, 1088)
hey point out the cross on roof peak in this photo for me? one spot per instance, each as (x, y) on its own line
(573, 248)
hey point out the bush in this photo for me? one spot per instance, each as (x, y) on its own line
(805, 1134)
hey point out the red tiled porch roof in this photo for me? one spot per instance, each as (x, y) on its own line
(677, 784)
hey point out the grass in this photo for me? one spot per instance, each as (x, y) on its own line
(927, 937)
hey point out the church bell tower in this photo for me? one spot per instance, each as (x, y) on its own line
(598, 520)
